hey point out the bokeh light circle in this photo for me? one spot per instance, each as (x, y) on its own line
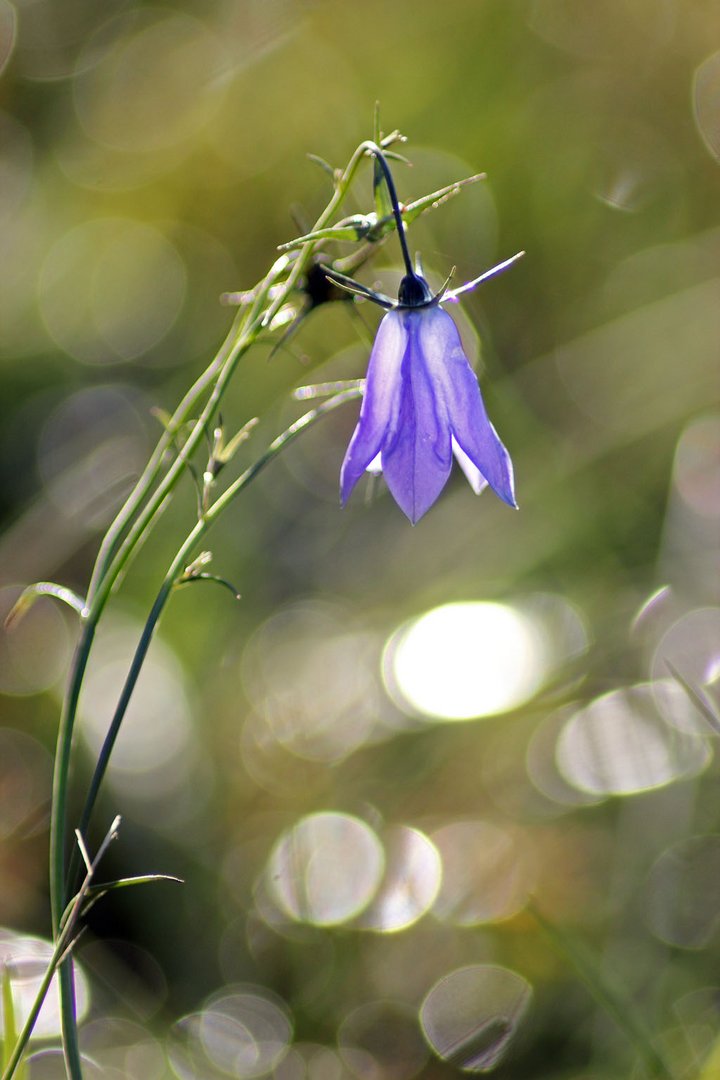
(90, 452)
(683, 892)
(125, 1048)
(25, 780)
(706, 100)
(245, 1033)
(312, 678)
(413, 873)
(8, 32)
(690, 647)
(156, 751)
(470, 1015)
(697, 463)
(486, 877)
(465, 660)
(621, 744)
(242, 1031)
(381, 1039)
(149, 79)
(50, 1065)
(111, 289)
(33, 652)
(326, 869)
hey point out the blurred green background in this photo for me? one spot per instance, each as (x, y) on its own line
(362, 786)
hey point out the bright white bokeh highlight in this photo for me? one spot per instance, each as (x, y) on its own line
(465, 660)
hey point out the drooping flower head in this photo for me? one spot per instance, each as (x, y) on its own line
(422, 403)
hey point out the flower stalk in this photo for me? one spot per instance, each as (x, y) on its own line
(133, 523)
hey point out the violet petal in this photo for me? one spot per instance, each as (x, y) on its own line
(380, 402)
(416, 454)
(457, 383)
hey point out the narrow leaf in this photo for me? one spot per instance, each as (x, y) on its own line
(428, 202)
(324, 389)
(324, 165)
(437, 198)
(353, 229)
(209, 577)
(97, 892)
(43, 588)
(227, 452)
(162, 415)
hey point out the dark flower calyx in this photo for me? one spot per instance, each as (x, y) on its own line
(414, 292)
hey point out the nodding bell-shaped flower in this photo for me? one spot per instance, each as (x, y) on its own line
(422, 403)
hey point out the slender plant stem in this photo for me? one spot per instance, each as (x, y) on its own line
(19, 1048)
(131, 525)
(71, 1046)
(382, 162)
(178, 564)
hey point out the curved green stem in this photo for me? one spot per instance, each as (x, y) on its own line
(180, 561)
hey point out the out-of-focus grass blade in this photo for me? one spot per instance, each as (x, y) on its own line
(711, 1068)
(609, 996)
(9, 1028)
(701, 702)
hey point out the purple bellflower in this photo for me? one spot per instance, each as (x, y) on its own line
(422, 403)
